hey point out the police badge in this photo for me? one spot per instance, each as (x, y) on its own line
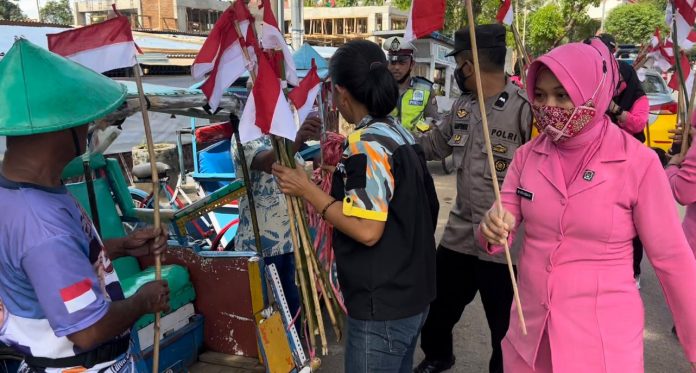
(461, 113)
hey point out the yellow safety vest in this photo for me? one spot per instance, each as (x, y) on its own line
(412, 105)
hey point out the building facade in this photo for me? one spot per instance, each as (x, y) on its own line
(189, 16)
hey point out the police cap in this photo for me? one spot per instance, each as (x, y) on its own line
(398, 48)
(487, 36)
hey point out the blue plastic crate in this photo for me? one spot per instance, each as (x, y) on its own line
(178, 350)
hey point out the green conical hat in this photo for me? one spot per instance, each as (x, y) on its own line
(43, 92)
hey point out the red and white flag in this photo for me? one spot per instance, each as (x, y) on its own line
(221, 54)
(306, 93)
(425, 17)
(266, 110)
(101, 47)
(505, 12)
(660, 54)
(272, 38)
(688, 76)
(684, 18)
(78, 295)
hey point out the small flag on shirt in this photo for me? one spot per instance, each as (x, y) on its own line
(305, 94)
(266, 110)
(78, 295)
(425, 17)
(505, 12)
(101, 47)
(272, 38)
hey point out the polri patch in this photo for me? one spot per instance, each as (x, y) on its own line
(500, 148)
(462, 113)
(501, 165)
(457, 139)
(525, 194)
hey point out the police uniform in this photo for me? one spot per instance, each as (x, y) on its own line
(463, 267)
(416, 100)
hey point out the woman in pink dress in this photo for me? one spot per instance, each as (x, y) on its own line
(584, 189)
(681, 171)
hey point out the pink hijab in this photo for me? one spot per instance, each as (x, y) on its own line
(586, 71)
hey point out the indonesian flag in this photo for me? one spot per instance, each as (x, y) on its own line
(425, 17)
(306, 93)
(272, 38)
(78, 295)
(221, 55)
(101, 47)
(684, 18)
(266, 110)
(688, 76)
(505, 12)
(660, 55)
(689, 42)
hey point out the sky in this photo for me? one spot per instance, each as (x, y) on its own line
(29, 7)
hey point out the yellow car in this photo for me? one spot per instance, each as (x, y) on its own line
(663, 113)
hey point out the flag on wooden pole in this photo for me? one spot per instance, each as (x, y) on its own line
(505, 12)
(684, 17)
(101, 47)
(272, 38)
(305, 94)
(425, 17)
(266, 110)
(221, 55)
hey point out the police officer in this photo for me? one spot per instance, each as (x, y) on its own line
(463, 268)
(416, 95)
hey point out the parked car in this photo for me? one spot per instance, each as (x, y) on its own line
(663, 112)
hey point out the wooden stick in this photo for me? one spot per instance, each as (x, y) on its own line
(686, 141)
(491, 163)
(156, 204)
(250, 192)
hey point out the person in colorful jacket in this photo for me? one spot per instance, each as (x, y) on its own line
(62, 305)
(383, 208)
(417, 106)
(584, 189)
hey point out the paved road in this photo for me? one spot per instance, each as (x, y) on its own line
(663, 353)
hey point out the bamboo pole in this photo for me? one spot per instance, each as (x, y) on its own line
(249, 192)
(156, 204)
(491, 163)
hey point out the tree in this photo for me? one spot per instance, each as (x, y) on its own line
(634, 23)
(10, 11)
(545, 27)
(57, 11)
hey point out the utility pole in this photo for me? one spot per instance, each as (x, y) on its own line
(280, 14)
(604, 7)
(38, 10)
(297, 24)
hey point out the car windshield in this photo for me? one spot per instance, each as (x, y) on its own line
(654, 85)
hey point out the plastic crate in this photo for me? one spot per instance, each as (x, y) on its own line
(178, 350)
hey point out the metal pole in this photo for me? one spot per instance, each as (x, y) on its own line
(38, 9)
(297, 24)
(604, 7)
(280, 14)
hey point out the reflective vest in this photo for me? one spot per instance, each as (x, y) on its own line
(412, 104)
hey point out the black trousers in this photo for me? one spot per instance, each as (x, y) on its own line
(637, 255)
(459, 278)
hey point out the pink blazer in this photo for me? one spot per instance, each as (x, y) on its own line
(575, 267)
(683, 182)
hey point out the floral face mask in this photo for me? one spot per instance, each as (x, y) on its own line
(561, 124)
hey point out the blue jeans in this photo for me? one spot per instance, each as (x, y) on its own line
(382, 346)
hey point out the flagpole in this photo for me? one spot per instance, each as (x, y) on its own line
(491, 163)
(322, 115)
(156, 203)
(688, 98)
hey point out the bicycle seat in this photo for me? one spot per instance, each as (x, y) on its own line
(143, 171)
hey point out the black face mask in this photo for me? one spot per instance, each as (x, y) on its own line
(461, 80)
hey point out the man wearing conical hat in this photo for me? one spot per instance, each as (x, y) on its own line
(62, 304)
